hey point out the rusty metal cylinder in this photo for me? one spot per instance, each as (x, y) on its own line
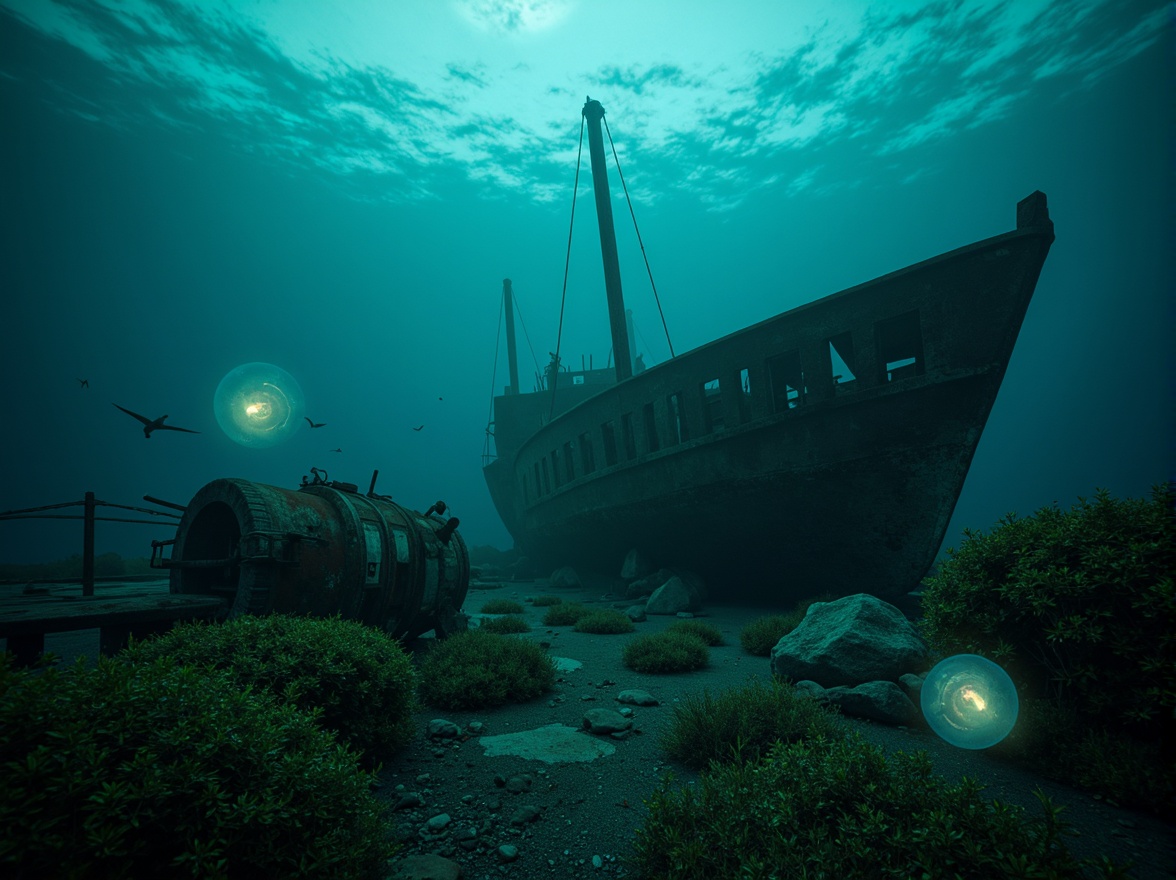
(320, 550)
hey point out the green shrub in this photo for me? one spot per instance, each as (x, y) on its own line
(507, 625)
(161, 770)
(359, 677)
(1076, 605)
(707, 632)
(502, 606)
(761, 635)
(475, 669)
(543, 601)
(742, 723)
(841, 808)
(666, 652)
(565, 614)
(1051, 740)
(606, 622)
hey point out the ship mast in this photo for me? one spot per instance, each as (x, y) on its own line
(622, 356)
(511, 357)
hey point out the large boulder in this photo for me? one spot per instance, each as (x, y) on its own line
(635, 566)
(853, 640)
(671, 597)
(647, 585)
(695, 583)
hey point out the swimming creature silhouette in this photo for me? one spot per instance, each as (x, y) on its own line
(150, 425)
(314, 424)
(85, 383)
(336, 450)
(417, 429)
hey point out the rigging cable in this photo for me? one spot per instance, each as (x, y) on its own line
(567, 262)
(629, 202)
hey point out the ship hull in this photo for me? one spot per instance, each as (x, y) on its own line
(754, 462)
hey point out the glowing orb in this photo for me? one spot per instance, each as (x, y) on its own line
(258, 405)
(969, 701)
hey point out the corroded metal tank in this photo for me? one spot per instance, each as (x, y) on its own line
(321, 550)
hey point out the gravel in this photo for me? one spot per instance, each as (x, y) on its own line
(586, 813)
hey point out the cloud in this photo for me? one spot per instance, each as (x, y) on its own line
(851, 95)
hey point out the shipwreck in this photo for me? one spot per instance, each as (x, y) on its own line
(822, 449)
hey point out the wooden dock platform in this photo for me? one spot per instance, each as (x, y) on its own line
(118, 611)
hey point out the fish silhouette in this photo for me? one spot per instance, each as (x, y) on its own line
(314, 424)
(419, 428)
(150, 425)
(84, 382)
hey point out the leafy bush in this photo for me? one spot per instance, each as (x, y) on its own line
(162, 770)
(761, 635)
(476, 669)
(1077, 605)
(507, 625)
(543, 601)
(841, 808)
(708, 632)
(565, 614)
(502, 606)
(742, 723)
(1050, 739)
(359, 677)
(666, 652)
(607, 622)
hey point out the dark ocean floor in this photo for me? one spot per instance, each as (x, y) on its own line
(591, 809)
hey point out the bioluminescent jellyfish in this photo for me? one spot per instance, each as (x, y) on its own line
(969, 701)
(258, 405)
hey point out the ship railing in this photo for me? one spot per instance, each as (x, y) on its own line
(89, 505)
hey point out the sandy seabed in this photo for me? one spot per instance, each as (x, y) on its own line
(592, 808)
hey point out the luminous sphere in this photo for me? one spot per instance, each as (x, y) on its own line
(969, 701)
(258, 405)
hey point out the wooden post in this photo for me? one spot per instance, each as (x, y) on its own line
(88, 547)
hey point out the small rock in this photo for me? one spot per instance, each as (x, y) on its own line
(523, 815)
(605, 721)
(409, 801)
(636, 698)
(426, 867)
(439, 728)
(565, 577)
(507, 853)
(636, 613)
(519, 784)
(438, 823)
